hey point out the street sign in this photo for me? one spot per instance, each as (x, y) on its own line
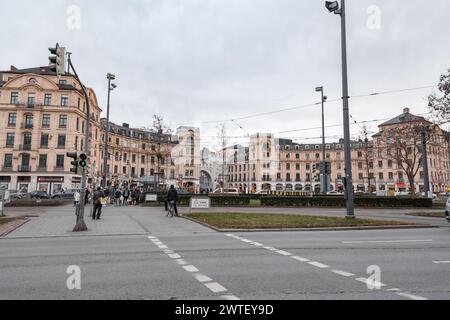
(200, 203)
(151, 198)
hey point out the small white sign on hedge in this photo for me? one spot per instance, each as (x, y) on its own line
(200, 203)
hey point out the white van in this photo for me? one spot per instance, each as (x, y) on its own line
(226, 191)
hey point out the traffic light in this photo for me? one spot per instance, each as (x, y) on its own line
(74, 162)
(83, 160)
(57, 60)
(328, 167)
(315, 168)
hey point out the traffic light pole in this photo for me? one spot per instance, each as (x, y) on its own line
(81, 225)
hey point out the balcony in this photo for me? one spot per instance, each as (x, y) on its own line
(58, 169)
(25, 147)
(23, 168)
(7, 169)
(26, 126)
(41, 169)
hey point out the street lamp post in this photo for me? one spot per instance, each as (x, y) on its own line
(426, 178)
(333, 6)
(324, 182)
(111, 87)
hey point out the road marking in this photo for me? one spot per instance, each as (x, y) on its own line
(318, 264)
(190, 268)
(167, 251)
(202, 278)
(181, 261)
(258, 244)
(393, 289)
(284, 253)
(410, 296)
(174, 255)
(343, 273)
(215, 287)
(229, 297)
(441, 262)
(151, 237)
(386, 241)
(270, 248)
(300, 259)
(163, 246)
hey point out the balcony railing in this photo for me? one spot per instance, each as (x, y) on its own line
(25, 147)
(41, 169)
(7, 168)
(58, 168)
(26, 126)
(22, 168)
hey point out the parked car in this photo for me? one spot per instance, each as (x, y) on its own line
(334, 193)
(39, 195)
(447, 210)
(226, 191)
(15, 195)
(263, 192)
(67, 194)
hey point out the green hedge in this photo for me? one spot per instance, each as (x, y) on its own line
(35, 203)
(216, 200)
(378, 202)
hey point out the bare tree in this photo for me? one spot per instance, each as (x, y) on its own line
(222, 137)
(161, 134)
(402, 144)
(368, 156)
(439, 103)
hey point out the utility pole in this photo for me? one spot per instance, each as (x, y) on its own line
(426, 178)
(81, 225)
(111, 86)
(323, 173)
(333, 6)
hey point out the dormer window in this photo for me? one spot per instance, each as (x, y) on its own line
(32, 80)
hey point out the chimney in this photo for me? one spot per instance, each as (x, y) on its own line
(406, 110)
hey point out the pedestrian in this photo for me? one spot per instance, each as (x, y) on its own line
(126, 194)
(86, 196)
(172, 195)
(97, 202)
(118, 195)
(76, 198)
(138, 196)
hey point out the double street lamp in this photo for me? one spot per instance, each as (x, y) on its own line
(334, 7)
(111, 87)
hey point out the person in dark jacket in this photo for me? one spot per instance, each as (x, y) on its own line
(97, 202)
(172, 195)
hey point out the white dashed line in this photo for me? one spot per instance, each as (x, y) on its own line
(190, 268)
(300, 259)
(258, 244)
(181, 261)
(202, 278)
(410, 296)
(163, 246)
(389, 241)
(441, 262)
(215, 287)
(167, 251)
(284, 253)
(343, 273)
(373, 283)
(151, 237)
(174, 256)
(318, 264)
(270, 248)
(393, 289)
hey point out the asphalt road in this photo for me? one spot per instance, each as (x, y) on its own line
(138, 253)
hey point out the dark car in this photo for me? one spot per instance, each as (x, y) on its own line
(63, 195)
(39, 195)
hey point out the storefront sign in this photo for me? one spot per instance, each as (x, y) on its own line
(50, 179)
(200, 203)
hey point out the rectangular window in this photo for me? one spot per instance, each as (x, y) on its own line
(133, 158)
(62, 81)
(60, 161)
(47, 99)
(381, 176)
(360, 176)
(9, 140)
(29, 121)
(44, 140)
(31, 100)
(391, 176)
(12, 118)
(380, 164)
(46, 121)
(14, 97)
(143, 159)
(116, 169)
(64, 101)
(61, 141)
(63, 121)
(7, 163)
(42, 161)
(78, 124)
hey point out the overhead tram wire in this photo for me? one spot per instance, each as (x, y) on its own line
(307, 106)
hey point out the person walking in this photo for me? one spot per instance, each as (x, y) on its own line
(86, 196)
(118, 195)
(97, 202)
(138, 195)
(76, 198)
(126, 194)
(172, 195)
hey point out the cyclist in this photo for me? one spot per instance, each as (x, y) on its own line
(172, 196)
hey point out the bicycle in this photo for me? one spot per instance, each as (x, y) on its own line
(171, 208)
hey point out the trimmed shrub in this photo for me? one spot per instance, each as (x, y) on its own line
(37, 203)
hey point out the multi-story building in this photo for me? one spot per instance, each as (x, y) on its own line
(41, 118)
(281, 164)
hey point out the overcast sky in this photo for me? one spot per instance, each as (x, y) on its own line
(194, 61)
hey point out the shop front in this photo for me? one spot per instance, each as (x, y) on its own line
(51, 185)
(23, 183)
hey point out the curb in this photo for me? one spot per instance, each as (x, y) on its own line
(387, 227)
(13, 225)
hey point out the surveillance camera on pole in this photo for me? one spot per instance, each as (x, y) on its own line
(57, 60)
